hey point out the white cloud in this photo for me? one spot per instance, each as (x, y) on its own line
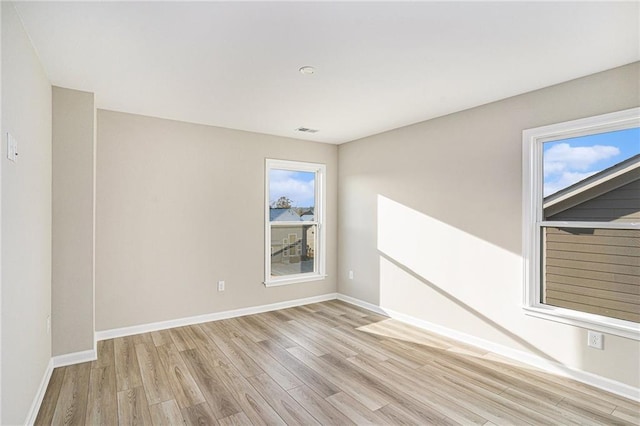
(565, 165)
(564, 157)
(284, 183)
(564, 180)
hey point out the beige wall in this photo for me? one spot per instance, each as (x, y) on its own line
(179, 207)
(73, 218)
(431, 221)
(26, 221)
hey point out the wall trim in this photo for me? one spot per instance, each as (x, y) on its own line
(74, 358)
(361, 303)
(599, 382)
(198, 319)
(37, 400)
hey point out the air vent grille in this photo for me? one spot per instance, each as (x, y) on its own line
(307, 130)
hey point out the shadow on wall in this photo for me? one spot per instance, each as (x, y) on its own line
(433, 271)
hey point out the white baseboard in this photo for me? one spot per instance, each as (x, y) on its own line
(74, 358)
(361, 303)
(37, 400)
(180, 322)
(536, 361)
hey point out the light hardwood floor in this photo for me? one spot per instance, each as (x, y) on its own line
(328, 363)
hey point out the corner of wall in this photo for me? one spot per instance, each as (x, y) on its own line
(73, 228)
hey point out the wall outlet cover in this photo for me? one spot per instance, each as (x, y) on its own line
(595, 340)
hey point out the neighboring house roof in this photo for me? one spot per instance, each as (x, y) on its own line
(595, 185)
(283, 215)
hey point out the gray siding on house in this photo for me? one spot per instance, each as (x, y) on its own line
(619, 205)
(593, 270)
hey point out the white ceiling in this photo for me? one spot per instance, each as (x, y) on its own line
(379, 65)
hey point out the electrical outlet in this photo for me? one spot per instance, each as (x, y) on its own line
(350, 275)
(48, 324)
(220, 285)
(595, 340)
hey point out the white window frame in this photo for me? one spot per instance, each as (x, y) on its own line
(319, 220)
(532, 173)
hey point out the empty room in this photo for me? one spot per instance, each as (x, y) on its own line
(335, 213)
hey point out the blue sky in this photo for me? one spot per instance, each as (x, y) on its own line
(297, 186)
(568, 161)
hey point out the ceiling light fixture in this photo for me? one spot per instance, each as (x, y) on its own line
(307, 70)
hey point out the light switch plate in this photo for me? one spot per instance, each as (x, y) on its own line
(12, 148)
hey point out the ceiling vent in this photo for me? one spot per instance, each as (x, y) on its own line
(307, 130)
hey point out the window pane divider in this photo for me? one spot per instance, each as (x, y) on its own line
(589, 225)
(293, 223)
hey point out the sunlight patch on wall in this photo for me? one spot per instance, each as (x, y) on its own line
(426, 264)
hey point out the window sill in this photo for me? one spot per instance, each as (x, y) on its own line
(616, 327)
(294, 280)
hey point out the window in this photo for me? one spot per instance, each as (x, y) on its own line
(294, 218)
(581, 206)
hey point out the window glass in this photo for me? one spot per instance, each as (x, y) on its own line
(593, 178)
(291, 195)
(292, 249)
(567, 162)
(294, 222)
(581, 200)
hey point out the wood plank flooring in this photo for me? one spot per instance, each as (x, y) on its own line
(328, 363)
